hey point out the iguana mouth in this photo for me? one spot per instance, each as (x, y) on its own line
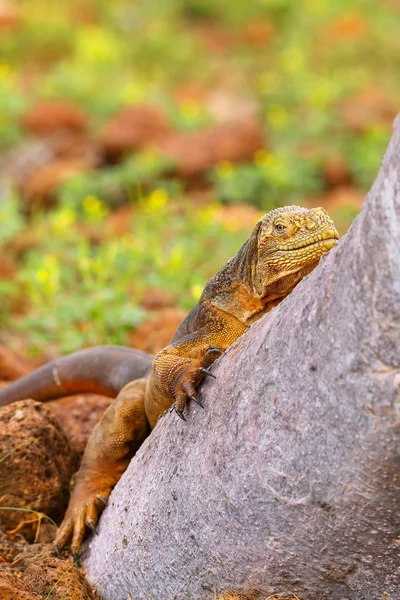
(331, 241)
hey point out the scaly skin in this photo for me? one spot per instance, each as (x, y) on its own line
(285, 245)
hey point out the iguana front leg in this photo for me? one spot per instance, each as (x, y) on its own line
(180, 367)
(113, 442)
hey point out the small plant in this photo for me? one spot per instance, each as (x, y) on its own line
(114, 185)
(273, 179)
(96, 288)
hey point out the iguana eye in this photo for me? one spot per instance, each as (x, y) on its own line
(279, 227)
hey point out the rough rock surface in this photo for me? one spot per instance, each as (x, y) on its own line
(34, 553)
(10, 547)
(54, 116)
(35, 466)
(12, 589)
(288, 481)
(63, 580)
(194, 153)
(39, 188)
(132, 129)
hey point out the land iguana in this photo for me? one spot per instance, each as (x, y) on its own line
(285, 245)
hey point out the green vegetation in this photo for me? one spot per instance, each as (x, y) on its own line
(322, 76)
(86, 289)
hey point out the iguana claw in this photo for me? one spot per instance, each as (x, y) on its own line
(92, 527)
(103, 500)
(215, 349)
(180, 414)
(195, 399)
(76, 558)
(57, 551)
(207, 372)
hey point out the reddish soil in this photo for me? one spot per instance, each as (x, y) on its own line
(153, 335)
(54, 116)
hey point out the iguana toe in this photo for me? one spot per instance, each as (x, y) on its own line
(195, 399)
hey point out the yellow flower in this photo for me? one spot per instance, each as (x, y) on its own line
(42, 275)
(94, 207)
(95, 45)
(157, 200)
(277, 115)
(232, 225)
(315, 7)
(321, 94)
(50, 261)
(190, 108)
(176, 259)
(293, 60)
(224, 169)
(268, 83)
(63, 219)
(196, 291)
(262, 158)
(206, 214)
(5, 69)
(132, 92)
(48, 275)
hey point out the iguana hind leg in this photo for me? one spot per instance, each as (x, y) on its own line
(112, 444)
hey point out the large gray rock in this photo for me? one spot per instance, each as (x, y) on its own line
(289, 479)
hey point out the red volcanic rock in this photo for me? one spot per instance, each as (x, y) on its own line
(12, 589)
(7, 267)
(195, 153)
(54, 116)
(10, 547)
(39, 187)
(77, 416)
(369, 107)
(132, 129)
(58, 578)
(36, 466)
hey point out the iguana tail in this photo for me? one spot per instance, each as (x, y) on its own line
(103, 370)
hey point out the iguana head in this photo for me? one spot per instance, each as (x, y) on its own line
(287, 244)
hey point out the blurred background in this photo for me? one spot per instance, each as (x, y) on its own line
(141, 140)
